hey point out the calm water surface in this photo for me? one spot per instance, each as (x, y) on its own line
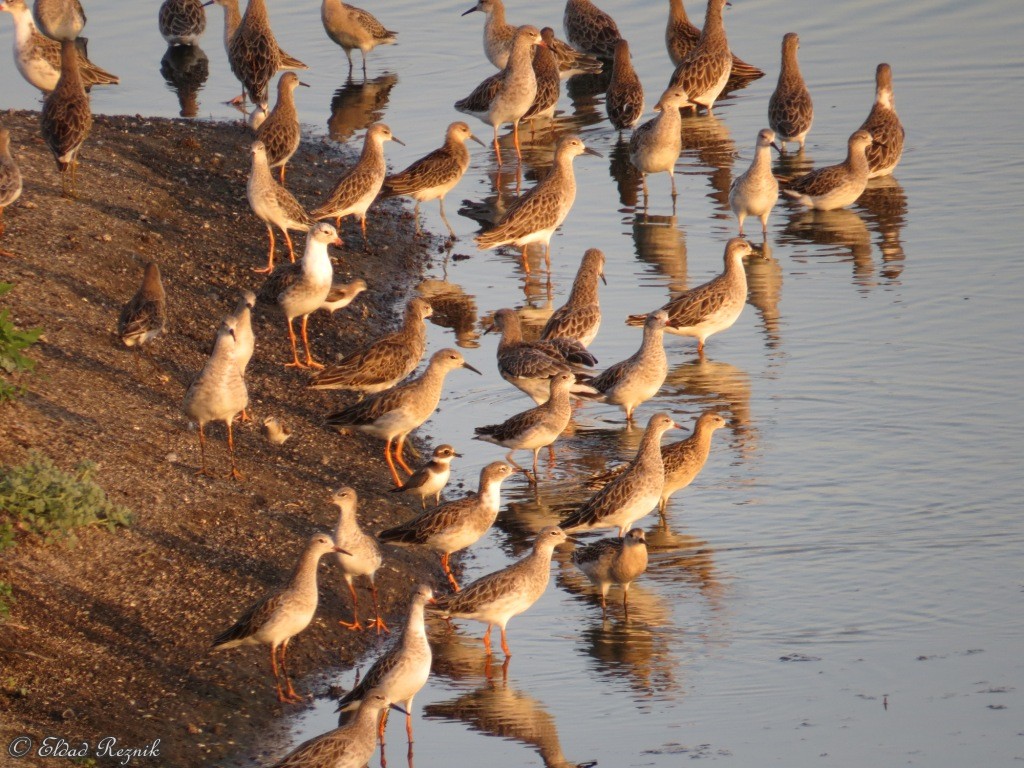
(856, 536)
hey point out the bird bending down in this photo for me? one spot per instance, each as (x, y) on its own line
(144, 317)
(497, 597)
(391, 415)
(457, 524)
(589, 29)
(280, 615)
(361, 557)
(534, 217)
(713, 306)
(402, 670)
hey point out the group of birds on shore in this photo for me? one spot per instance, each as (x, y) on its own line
(552, 370)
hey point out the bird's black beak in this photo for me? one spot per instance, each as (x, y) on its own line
(464, 13)
(474, 370)
(594, 152)
(474, 138)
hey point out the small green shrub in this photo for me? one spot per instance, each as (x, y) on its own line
(12, 342)
(40, 498)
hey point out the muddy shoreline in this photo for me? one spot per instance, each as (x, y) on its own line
(110, 637)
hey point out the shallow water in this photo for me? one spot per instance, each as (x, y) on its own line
(844, 579)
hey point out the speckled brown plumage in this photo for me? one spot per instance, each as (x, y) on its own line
(835, 186)
(580, 317)
(383, 363)
(682, 36)
(624, 99)
(253, 52)
(589, 29)
(884, 126)
(545, 70)
(705, 70)
(280, 132)
(66, 118)
(181, 22)
(713, 306)
(790, 109)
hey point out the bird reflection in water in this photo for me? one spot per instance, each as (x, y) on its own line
(707, 140)
(764, 292)
(705, 384)
(586, 92)
(662, 244)
(355, 105)
(454, 309)
(885, 207)
(627, 178)
(495, 707)
(186, 69)
(635, 650)
(843, 235)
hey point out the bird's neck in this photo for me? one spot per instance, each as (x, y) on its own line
(677, 13)
(232, 18)
(490, 494)
(315, 261)
(304, 575)
(584, 289)
(714, 28)
(70, 75)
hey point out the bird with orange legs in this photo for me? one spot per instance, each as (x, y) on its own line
(362, 557)
(280, 615)
(457, 524)
(391, 415)
(300, 289)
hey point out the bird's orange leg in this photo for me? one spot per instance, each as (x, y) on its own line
(202, 452)
(391, 464)
(487, 640)
(526, 263)
(497, 148)
(449, 574)
(504, 644)
(305, 343)
(295, 363)
(291, 248)
(270, 254)
(355, 624)
(292, 695)
(515, 141)
(282, 175)
(398, 455)
(378, 622)
(234, 474)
